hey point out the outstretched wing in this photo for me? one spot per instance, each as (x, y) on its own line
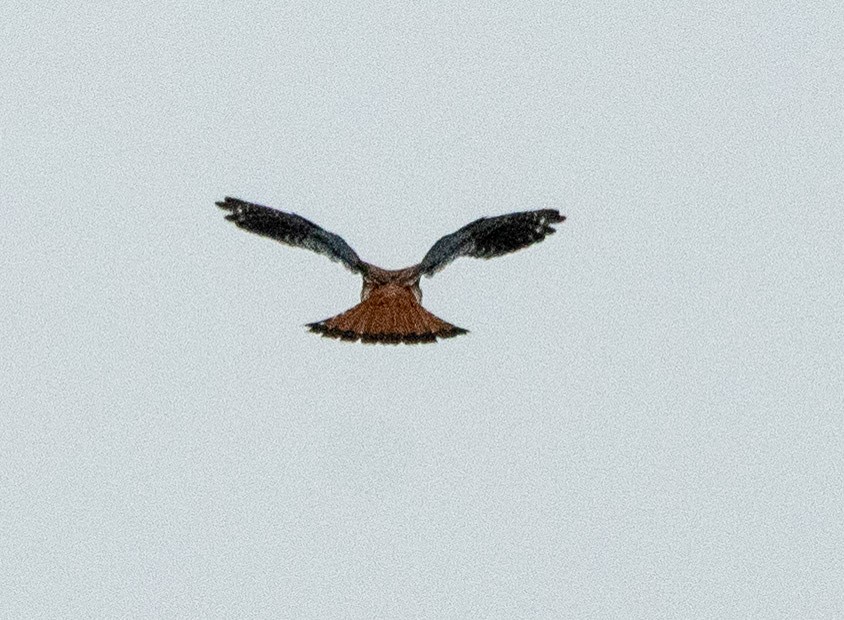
(291, 229)
(491, 236)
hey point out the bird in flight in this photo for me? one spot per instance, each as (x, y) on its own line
(390, 310)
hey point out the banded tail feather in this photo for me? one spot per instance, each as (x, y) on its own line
(390, 315)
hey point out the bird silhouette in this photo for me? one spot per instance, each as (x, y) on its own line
(390, 310)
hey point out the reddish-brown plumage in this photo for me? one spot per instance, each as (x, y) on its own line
(389, 314)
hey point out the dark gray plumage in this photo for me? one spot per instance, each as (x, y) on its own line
(488, 237)
(291, 229)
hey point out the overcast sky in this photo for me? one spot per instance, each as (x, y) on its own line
(645, 420)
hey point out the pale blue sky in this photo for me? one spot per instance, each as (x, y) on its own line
(644, 422)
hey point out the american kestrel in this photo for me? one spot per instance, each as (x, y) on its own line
(390, 310)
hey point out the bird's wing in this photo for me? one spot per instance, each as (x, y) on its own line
(491, 236)
(290, 229)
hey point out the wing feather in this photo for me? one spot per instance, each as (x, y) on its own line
(491, 236)
(290, 229)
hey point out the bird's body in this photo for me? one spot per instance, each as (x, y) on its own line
(390, 310)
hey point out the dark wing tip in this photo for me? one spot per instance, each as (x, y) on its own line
(554, 216)
(229, 203)
(238, 208)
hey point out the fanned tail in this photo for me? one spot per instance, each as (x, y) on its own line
(390, 315)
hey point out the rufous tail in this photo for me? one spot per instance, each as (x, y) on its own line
(390, 315)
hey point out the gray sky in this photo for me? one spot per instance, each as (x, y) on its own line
(644, 422)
